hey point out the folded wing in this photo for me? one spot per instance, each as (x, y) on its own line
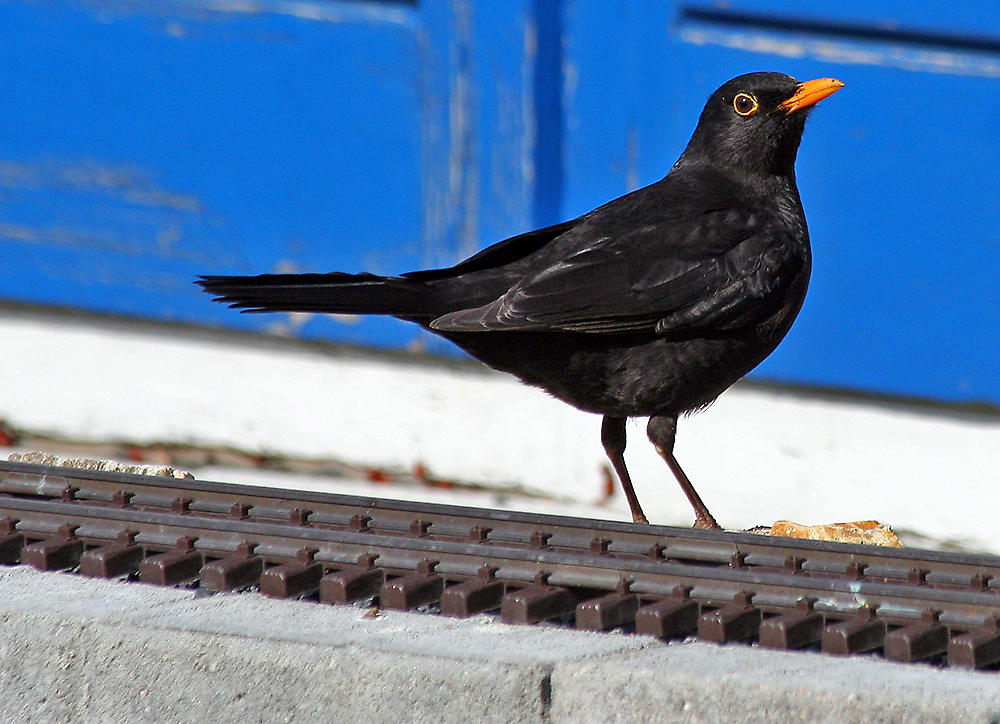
(721, 269)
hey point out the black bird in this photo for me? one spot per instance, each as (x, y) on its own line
(651, 305)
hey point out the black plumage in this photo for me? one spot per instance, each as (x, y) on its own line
(650, 305)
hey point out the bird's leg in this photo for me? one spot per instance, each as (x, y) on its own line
(613, 439)
(662, 430)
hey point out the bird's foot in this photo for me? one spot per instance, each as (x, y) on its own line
(706, 521)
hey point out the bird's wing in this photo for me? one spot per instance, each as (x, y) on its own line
(500, 254)
(723, 268)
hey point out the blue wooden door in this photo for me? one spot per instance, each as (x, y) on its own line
(897, 171)
(145, 142)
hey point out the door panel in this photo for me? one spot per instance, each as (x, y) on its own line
(145, 143)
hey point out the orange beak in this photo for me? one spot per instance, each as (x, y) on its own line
(810, 93)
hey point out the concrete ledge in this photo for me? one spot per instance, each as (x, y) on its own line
(79, 650)
(698, 682)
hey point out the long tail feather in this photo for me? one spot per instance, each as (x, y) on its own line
(334, 293)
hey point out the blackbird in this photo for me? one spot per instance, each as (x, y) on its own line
(651, 305)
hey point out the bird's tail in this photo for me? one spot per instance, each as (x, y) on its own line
(334, 293)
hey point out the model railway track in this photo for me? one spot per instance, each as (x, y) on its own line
(907, 604)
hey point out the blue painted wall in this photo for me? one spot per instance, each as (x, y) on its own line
(143, 143)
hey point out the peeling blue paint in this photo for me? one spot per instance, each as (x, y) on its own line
(833, 41)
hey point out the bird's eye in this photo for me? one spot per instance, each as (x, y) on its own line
(745, 105)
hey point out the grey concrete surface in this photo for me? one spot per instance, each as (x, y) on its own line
(699, 682)
(86, 651)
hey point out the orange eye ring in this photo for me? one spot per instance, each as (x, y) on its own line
(745, 104)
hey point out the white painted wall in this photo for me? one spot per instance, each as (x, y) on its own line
(756, 455)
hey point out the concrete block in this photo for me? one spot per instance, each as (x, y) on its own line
(690, 683)
(102, 652)
(109, 673)
(81, 650)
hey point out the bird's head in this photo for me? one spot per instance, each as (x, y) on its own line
(753, 124)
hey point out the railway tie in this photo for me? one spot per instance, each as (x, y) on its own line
(904, 604)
